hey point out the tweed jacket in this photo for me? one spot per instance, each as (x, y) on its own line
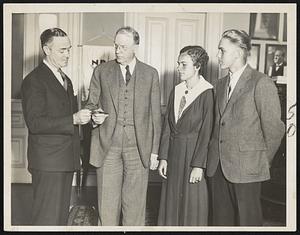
(247, 130)
(104, 93)
(53, 140)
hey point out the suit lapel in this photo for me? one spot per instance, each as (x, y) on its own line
(53, 82)
(140, 82)
(222, 98)
(240, 86)
(113, 80)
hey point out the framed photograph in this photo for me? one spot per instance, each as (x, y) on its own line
(264, 26)
(253, 59)
(276, 63)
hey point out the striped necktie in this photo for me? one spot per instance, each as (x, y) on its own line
(229, 88)
(128, 75)
(181, 106)
(64, 78)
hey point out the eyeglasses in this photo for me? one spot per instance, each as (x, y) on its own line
(121, 47)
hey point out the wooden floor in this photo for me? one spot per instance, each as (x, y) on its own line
(21, 196)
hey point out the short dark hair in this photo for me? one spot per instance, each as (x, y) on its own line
(48, 34)
(198, 55)
(128, 29)
(239, 38)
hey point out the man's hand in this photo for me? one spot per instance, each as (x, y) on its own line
(153, 161)
(196, 175)
(162, 168)
(82, 117)
(98, 116)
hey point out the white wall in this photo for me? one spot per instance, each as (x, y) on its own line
(236, 21)
(94, 24)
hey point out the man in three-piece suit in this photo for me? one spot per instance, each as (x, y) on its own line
(124, 144)
(277, 69)
(246, 134)
(49, 108)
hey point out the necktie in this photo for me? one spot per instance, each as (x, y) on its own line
(228, 89)
(128, 75)
(181, 106)
(64, 77)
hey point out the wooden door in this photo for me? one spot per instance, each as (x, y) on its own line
(162, 35)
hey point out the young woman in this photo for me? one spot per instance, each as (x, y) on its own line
(183, 147)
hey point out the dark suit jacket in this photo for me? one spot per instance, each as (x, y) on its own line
(279, 72)
(53, 140)
(247, 130)
(104, 93)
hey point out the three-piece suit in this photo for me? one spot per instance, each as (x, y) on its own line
(121, 146)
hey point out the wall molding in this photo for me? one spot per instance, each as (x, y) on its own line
(214, 30)
(18, 150)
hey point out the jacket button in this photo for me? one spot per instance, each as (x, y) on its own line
(223, 123)
(221, 141)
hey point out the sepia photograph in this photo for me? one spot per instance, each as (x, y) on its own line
(264, 25)
(276, 62)
(149, 117)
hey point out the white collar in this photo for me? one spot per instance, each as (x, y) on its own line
(201, 86)
(236, 75)
(54, 71)
(192, 94)
(131, 66)
(51, 67)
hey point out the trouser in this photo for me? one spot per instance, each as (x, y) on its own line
(122, 183)
(234, 203)
(51, 197)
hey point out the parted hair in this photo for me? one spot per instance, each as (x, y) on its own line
(198, 55)
(48, 34)
(239, 38)
(128, 29)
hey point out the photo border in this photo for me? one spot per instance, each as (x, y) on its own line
(8, 9)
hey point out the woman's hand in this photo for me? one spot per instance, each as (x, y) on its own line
(162, 168)
(196, 175)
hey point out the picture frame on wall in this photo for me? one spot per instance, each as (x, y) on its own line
(275, 60)
(264, 26)
(253, 58)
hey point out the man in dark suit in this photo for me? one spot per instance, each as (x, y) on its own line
(49, 108)
(246, 134)
(124, 144)
(277, 69)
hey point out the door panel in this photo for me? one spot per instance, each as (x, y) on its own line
(19, 173)
(162, 35)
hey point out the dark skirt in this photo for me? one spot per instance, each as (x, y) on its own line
(182, 203)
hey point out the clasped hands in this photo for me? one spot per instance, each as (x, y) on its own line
(85, 115)
(195, 176)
